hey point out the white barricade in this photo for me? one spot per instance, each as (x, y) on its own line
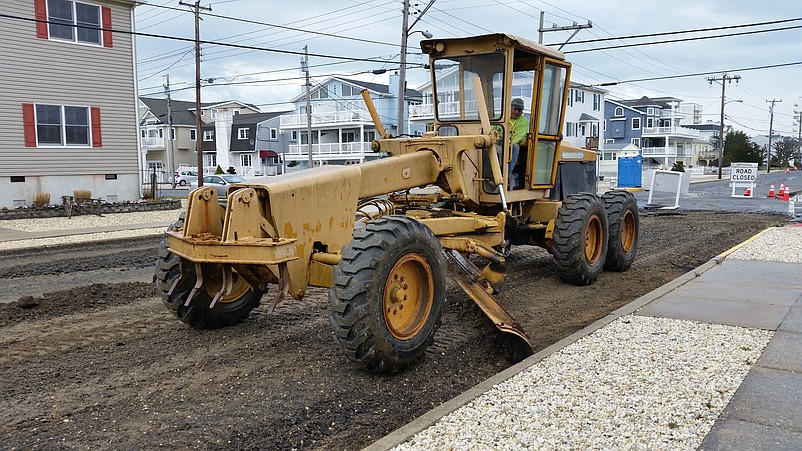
(667, 182)
(743, 177)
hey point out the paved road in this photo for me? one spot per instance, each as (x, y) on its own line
(716, 195)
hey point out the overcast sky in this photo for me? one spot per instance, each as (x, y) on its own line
(371, 30)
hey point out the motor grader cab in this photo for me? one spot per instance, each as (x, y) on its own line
(383, 250)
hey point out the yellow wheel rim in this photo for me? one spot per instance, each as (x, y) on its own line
(594, 234)
(408, 296)
(213, 282)
(628, 233)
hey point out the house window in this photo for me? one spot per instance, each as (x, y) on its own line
(208, 135)
(348, 137)
(619, 111)
(211, 160)
(369, 136)
(570, 97)
(59, 125)
(273, 133)
(580, 96)
(650, 111)
(636, 141)
(214, 113)
(74, 21)
(246, 159)
(295, 135)
(649, 122)
(609, 141)
(242, 133)
(193, 134)
(635, 123)
(348, 90)
(596, 102)
(172, 133)
(142, 132)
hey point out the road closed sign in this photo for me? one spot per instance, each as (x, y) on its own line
(742, 179)
(743, 172)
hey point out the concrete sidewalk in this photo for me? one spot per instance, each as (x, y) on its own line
(733, 289)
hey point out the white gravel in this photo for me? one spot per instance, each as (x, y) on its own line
(783, 244)
(637, 383)
(86, 221)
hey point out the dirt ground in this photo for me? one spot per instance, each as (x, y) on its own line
(106, 366)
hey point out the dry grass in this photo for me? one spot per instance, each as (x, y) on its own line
(41, 199)
(82, 194)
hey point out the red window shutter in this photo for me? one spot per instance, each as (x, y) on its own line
(29, 124)
(40, 12)
(106, 23)
(97, 141)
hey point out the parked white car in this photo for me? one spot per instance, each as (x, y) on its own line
(220, 182)
(183, 177)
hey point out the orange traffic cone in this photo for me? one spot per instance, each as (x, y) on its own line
(771, 191)
(787, 195)
(781, 192)
(748, 192)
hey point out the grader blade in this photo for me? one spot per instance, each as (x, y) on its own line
(469, 278)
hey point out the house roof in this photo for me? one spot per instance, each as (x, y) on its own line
(182, 111)
(585, 117)
(255, 118)
(373, 87)
(229, 102)
(622, 105)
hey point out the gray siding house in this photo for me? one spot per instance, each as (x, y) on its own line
(68, 107)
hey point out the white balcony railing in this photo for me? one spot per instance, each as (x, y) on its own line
(666, 152)
(152, 142)
(331, 149)
(320, 119)
(673, 130)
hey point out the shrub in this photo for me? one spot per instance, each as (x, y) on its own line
(219, 170)
(678, 167)
(41, 199)
(82, 194)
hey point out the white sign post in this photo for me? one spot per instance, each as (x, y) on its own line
(743, 177)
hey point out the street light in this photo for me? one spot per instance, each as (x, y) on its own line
(721, 134)
(402, 71)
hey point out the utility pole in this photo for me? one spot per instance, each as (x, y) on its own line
(170, 155)
(576, 27)
(305, 68)
(402, 70)
(724, 80)
(771, 131)
(196, 7)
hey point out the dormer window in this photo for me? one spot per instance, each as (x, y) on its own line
(619, 111)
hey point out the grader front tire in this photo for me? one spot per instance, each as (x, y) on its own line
(231, 309)
(580, 239)
(624, 224)
(388, 294)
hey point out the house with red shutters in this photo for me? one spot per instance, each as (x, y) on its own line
(68, 100)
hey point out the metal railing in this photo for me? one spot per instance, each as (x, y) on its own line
(334, 117)
(349, 149)
(673, 130)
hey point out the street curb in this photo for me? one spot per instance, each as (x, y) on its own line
(406, 432)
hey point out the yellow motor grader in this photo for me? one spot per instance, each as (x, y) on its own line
(384, 248)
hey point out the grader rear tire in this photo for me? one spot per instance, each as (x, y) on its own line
(580, 239)
(228, 311)
(388, 294)
(624, 224)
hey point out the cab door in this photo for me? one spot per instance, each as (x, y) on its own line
(546, 120)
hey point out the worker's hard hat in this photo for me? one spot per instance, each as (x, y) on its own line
(518, 104)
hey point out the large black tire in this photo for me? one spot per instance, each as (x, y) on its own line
(388, 293)
(580, 239)
(229, 310)
(623, 223)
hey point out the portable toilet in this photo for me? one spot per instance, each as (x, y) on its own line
(630, 170)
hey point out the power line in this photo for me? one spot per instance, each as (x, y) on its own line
(176, 38)
(744, 33)
(667, 77)
(697, 30)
